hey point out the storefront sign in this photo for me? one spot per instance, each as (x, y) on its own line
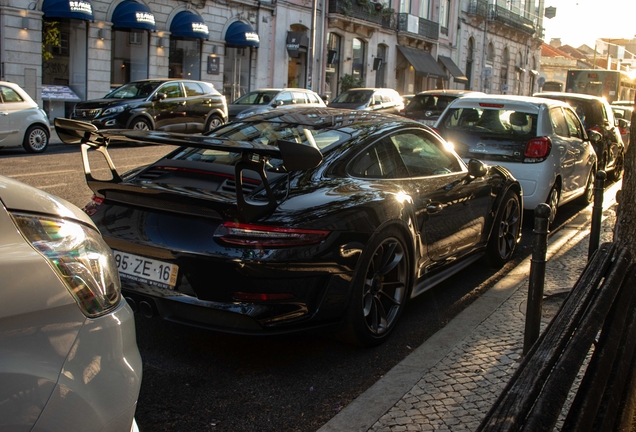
(145, 17)
(80, 6)
(213, 65)
(198, 27)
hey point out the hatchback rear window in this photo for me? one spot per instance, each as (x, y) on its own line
(491, 121)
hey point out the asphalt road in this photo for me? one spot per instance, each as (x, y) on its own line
(197, 380)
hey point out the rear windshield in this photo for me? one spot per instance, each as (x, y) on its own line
(263, 132)
(491, 121)
(358, 96)
(434, 103)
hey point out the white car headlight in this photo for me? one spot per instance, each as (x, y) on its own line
(115, 110)
(79, 256)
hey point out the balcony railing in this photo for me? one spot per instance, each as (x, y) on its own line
(425, 28)
(517, 18)
(363, 10)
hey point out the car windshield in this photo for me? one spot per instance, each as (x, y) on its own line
(134, 90)
(491, 121)
(358, 96)
(264, 132)
(256, 98)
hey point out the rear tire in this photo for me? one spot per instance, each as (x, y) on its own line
(553, 201)
(380, 289)
(619, 165)
(36, 139)
(588, 194)
(505, 231)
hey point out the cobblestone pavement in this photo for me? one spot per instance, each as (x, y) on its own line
(457, 392)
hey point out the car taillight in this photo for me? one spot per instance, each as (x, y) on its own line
(537, 149)
(80, 258)
(91, 208)
(267, 236)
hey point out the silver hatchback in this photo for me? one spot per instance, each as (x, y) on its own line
(68, 352)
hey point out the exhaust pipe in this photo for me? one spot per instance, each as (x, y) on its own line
(146, 309)
(131, 303)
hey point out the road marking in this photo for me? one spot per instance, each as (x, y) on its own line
(41, 173)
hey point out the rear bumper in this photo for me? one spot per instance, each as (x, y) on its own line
(320, 305)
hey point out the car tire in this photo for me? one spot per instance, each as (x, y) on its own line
(553, 201)
(505, 231)
(213, 122)
(380, 289)
(588, 194)
(619, 165)
(36, 139)
(140, 123)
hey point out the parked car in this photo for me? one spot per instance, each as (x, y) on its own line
(541, 141)
(297, 219)
(173, 105)
(596, 114)
(427, 106)
(623, 115)
(369, 99)
(69, 354)
(262, 100)
(22, 122)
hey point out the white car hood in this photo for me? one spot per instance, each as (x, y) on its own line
(18, 196)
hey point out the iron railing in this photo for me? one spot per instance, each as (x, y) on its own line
(364, 10)
(426, 28)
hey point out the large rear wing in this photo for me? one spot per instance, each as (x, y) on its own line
(295, 156)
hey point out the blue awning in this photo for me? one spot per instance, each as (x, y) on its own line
(240, 35)
(77, 9)
(188, 24)
(132, 15)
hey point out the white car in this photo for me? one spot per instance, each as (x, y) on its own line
(22, 122)
(68, 354)
(541, 141)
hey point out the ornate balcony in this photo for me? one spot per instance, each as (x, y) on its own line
(516, 19)
(419, 26)
(365, 10)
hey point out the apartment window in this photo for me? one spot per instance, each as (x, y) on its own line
(444, 13)
(425, 8)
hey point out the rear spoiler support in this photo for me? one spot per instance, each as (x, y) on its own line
(295, 156)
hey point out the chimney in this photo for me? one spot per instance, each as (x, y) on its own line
(555, 42)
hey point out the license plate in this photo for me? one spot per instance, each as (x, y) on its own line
(142, 269)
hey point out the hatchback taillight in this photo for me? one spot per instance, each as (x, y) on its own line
(537, 149)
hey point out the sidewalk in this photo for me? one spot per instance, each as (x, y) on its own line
(450, 382)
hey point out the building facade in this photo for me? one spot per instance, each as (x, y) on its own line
(63, 51)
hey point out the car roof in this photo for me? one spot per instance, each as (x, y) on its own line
(510, 101)
(449, 92)
(569, 95)
(336, 117)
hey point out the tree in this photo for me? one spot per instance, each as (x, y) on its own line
(624, 232)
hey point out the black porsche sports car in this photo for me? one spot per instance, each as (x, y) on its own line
(297, 219)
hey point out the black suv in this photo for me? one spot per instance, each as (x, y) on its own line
(173, 105)
(596, 114)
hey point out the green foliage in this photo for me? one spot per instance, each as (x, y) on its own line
(348, 81)
(50, 38)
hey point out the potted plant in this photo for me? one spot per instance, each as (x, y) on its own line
(348, 81)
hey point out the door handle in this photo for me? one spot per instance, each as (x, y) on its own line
(434, 208)
(182, 103)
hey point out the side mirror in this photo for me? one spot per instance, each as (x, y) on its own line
(622, 123)
(477, 168)
(277, 103)
(159, 96)
(594, 136)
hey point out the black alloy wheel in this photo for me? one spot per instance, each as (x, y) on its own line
(381, 288)
(503, 239)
